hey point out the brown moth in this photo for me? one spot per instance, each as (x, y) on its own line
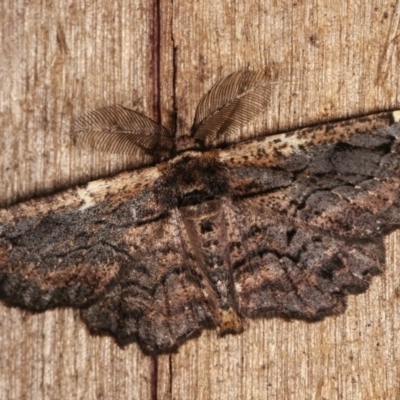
(218, 227)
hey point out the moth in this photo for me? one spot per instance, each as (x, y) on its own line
(211, 228)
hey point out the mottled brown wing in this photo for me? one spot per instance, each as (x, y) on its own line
(159, 300)
(230, 105)
(312, 207)
(63, 249)
(119, 130)
(112, 249)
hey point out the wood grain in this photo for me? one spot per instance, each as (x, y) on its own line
(62, 58)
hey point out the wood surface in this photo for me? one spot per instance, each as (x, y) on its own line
(62, 58)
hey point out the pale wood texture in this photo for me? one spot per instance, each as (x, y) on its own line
(61, 58)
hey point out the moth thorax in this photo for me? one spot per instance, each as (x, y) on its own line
(196, 179)
(187, 142)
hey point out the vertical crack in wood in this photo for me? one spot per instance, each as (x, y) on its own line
(153, 377)
(155, 59)
(170, 375)
(174, 122)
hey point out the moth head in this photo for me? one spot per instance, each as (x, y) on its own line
(187, 143)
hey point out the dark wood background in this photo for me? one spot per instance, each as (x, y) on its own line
(62, 58)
